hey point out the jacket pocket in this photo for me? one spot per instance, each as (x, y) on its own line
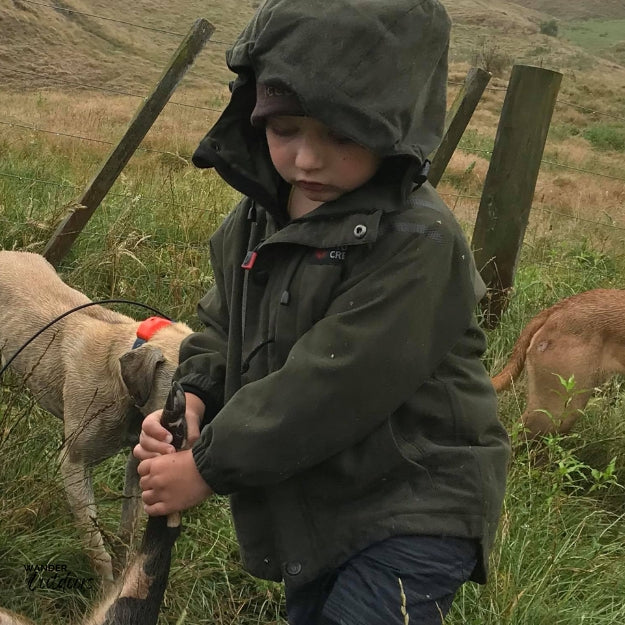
(371, 464)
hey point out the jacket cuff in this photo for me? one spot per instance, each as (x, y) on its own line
(202, 458)
(196, 385)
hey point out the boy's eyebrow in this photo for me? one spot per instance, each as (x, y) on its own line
(281, 124)
(275, 122)
(282, 118)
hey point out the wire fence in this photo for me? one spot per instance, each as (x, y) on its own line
(541, 209)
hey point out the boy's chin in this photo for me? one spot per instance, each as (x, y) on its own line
(320, 195)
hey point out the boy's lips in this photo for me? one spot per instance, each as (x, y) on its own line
(313, 186)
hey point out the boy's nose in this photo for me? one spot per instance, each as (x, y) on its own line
(309, 156)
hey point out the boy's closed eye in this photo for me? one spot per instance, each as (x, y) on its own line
(339, 138)
(289, 126)
(282, 128)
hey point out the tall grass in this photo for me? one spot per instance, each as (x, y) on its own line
(560, 552)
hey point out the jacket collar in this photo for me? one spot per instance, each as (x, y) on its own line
(333, 231)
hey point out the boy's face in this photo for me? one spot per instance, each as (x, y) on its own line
(311, 157)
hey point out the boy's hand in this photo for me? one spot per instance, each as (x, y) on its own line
(155, 440)
(171, 483)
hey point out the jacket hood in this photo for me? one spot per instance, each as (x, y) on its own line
(373, 70)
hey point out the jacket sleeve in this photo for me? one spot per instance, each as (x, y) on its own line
(202, 358)
(384, 334)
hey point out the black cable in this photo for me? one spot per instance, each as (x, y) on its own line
(68, 312)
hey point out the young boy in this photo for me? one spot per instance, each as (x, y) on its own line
(339, 385)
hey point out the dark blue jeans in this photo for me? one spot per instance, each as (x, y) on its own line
(418, 574)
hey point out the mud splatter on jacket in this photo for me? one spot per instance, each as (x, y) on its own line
(341, 361)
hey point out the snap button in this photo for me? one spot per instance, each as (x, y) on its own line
(360, 230)
(293, 568)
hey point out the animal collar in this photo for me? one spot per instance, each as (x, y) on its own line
(148, 328)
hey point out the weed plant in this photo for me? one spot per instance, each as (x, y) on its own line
(606, 136)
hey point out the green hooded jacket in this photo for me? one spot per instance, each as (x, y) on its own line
(346, 400)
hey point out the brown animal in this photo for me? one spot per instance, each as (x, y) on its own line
(85, 371)
(581, 336)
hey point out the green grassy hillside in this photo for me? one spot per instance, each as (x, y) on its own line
(577, 9)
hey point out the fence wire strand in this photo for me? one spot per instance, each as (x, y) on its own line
(73, 83)
(122, 196)
(148, 198)
(186, 157)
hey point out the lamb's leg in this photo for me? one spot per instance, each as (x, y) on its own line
(139, 598)
(81, 500)
(131, 508)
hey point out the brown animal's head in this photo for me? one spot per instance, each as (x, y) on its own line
(147, 371)
(540, 423)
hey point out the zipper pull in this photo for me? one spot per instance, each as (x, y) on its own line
(249, 260)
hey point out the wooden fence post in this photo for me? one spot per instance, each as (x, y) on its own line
(511, 181)
(83, 208)
(457, 120)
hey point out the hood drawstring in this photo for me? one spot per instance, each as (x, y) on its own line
(285, 298)
(244, 245)
(248, 263)
(245, 365)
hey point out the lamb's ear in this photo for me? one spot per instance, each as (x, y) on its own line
(138, 368)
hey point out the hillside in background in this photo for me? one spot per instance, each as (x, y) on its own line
(580, 9)
(99, 43)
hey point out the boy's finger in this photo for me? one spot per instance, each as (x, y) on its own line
(141, 453)
(150, 497)
(193, 433)
(152, 503)
(154, 429)
(151, 444)
(158, 509)
(144, 468)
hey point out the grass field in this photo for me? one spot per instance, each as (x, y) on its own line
(560, 553)
(605, 37)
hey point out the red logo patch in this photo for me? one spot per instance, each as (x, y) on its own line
(329, 256)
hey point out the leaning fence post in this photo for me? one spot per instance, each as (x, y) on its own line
(457, 120)
(83, 208)
(511, 181)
